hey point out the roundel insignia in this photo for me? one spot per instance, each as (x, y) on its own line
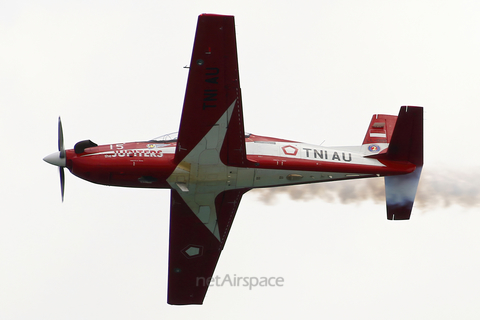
(373, 148)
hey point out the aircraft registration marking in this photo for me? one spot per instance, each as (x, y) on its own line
(210, 94)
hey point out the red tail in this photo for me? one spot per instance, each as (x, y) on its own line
(407, 139)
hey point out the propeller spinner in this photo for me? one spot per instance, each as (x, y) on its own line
(58, 158)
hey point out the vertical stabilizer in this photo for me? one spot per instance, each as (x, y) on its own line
(406, 145)
(380, 129)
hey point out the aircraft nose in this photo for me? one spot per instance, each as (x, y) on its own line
(56, 159)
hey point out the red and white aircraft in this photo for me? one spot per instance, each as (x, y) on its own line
(211, 163)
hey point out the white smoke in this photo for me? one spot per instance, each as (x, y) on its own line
(437, 188)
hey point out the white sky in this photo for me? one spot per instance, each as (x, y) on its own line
(310, 71)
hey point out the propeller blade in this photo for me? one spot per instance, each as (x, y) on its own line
(61, 148)
(62, 181)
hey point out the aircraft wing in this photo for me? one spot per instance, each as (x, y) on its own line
(194, 250)
(210, 151)
(213, 86)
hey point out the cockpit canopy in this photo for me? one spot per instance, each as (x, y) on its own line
(169, 137)
(173, 137)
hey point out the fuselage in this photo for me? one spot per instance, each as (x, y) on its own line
(272, 162)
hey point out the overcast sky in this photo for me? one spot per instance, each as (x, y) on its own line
(310, 71)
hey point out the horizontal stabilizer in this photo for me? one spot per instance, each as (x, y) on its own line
(400, 194)
(407, 138)
(406, 145)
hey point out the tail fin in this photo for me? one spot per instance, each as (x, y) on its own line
(406, 145)
(380, 129)
(378, 135)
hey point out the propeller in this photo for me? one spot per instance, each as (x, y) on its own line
(59, 158)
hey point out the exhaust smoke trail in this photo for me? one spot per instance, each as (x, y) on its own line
(439, 188)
